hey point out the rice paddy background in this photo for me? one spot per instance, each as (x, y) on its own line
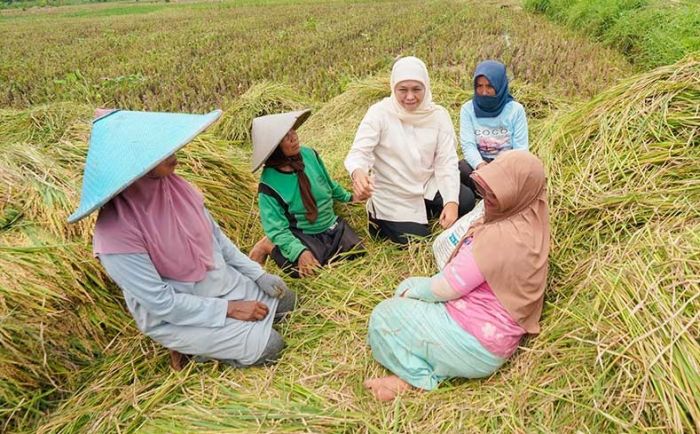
(620, 138)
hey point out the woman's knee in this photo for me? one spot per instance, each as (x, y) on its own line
(465, 170)
(383, 312)
(273, 349)
(288, 301)
(376, 316)
(467, 200)
(407, 234)
(375, 325)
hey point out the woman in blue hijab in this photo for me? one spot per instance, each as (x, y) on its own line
(490, 123)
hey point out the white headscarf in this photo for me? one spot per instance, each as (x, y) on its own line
(411, 68)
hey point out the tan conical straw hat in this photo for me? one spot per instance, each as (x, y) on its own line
(268, 132)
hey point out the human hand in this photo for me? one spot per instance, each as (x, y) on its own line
(246, 310)
(357, 199)
(413, 287)
(271, 285)
(362, 185)
(405, 286)
(448, 214)
(480, 165)
(307, 263)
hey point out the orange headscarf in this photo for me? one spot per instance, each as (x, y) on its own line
(511, 241)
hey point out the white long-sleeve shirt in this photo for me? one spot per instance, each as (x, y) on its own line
(410, 163)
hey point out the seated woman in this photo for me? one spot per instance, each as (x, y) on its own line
(408, 142)
(186, 284)
(490, 123)
(295, 195)
(469, 319)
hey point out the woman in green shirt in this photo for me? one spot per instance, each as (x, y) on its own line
(295, 197)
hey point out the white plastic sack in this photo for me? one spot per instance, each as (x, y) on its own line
(445, 243)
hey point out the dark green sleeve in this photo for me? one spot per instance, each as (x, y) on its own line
(337, 191)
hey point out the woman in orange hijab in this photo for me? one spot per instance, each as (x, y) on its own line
(467, 320)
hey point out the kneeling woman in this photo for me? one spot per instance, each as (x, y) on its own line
(185, 283)
(468, 319)
(490, 123)
(295, 195)
(409, 143)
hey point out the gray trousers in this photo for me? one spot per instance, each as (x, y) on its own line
(275, 343)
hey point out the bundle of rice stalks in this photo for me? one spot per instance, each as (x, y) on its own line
(43, 190)
(41, 124)
(260, 99)
(58, 313)
(117, 389)
(629, 157)
(623, 299)
(539, 102)
(619, 349)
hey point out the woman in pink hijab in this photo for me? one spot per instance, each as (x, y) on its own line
(186, 284)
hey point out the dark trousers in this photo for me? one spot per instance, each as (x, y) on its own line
(324, 246)
(400, 232)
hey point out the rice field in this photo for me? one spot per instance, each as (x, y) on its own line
(619, 348)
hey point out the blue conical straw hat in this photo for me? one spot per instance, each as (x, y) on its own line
(125, 145)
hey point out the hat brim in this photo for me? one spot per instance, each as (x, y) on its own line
(134, 143)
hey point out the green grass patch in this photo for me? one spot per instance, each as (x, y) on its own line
(650, 33)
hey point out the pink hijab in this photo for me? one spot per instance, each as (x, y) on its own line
(163, 217)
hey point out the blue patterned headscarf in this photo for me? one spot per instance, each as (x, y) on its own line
(495, 73)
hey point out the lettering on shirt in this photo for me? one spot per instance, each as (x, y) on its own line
(492, 141)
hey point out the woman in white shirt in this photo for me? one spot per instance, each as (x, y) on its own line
(403, 159)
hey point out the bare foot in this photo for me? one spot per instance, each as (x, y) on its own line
(386, 388)
(261, 250)
(178, 360)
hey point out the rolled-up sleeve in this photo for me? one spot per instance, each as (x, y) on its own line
(462, 272)
(136, 275)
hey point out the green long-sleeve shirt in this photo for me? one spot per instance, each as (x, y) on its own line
(282, 209)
